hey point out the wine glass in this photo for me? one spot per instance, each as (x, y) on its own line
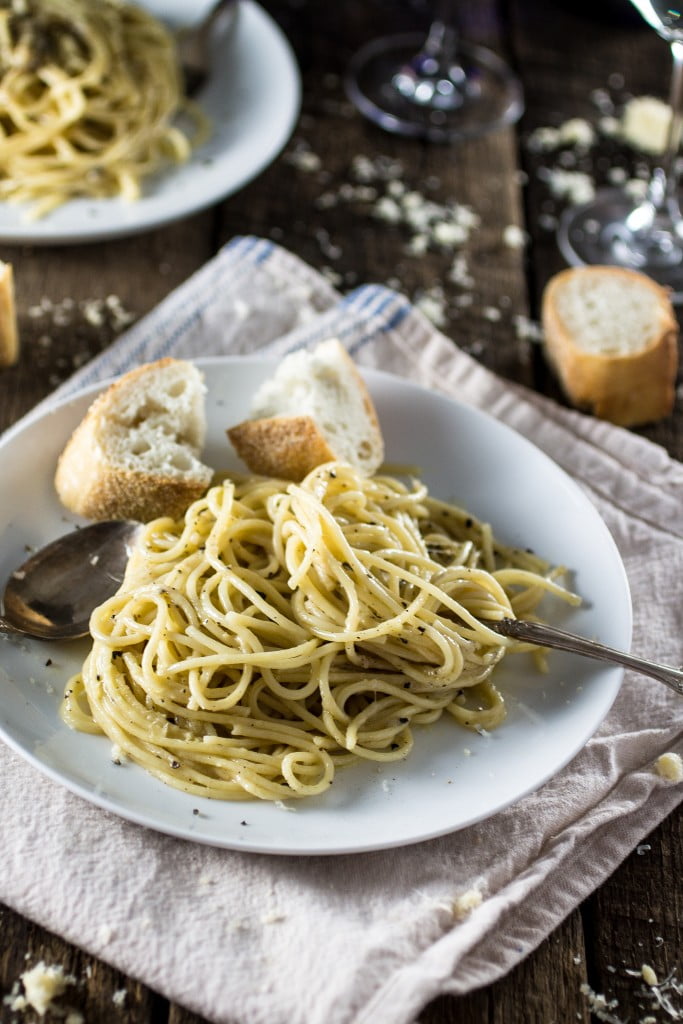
(646, 233)
(436, 87)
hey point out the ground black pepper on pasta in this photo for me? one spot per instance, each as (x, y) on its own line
(280, 631)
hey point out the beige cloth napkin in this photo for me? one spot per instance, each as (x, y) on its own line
(369, 939)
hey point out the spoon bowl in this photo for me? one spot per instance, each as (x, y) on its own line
(52, 595)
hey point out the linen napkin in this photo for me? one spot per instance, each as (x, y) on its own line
(369, 938)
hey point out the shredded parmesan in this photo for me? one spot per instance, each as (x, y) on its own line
(466, 902)
(42, 984)
(670, 767)
(645, 124)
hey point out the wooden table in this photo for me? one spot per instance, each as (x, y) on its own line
(563, 53)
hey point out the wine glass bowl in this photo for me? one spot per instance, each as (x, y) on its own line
(646, 234)
(436, 87)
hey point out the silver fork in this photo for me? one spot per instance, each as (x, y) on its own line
(194, 44)
(549, 636)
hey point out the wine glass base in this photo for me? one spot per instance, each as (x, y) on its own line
(478, 94)
(597, 233)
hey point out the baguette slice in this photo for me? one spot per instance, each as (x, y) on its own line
(135, 455)
(611, 336)
(9, 333)
(314, 409)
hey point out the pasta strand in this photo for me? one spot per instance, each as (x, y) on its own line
(280, 630)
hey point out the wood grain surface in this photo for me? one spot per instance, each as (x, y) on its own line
(574, 60)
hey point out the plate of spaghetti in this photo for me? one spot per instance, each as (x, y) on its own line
(306, 668)
(99, 139)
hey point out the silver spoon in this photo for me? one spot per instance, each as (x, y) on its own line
(550, 636)
(52, 595)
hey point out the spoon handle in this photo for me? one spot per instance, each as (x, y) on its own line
(549, 636)
(7, 627)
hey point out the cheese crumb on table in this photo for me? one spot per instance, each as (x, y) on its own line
(514, 237)
(645, 124)
(42, 984)
(575, 186)
(600, 1006)
(119, 997)
(574, 132)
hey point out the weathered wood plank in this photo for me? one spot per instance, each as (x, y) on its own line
(622, 924)
(636, 919)
(576, 64)
(319, 212)
(550, 977)
(73, 301)
(95, 990)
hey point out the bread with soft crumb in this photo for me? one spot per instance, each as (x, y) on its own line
(136, 453)
(9, 332)
(314, 409)
(611, 336)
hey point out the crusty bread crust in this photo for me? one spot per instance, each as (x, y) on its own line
(315, 408)
(9, 333)
(91, 485)
(288, 447)
(625, 388)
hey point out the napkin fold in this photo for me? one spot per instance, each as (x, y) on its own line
(369, 938)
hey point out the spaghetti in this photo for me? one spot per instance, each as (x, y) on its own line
(281, 630)
(89, 93)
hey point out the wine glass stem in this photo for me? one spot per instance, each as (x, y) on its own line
(664, 183)
(442, 39)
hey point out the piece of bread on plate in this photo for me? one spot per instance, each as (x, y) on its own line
(135, 455)
(9, 332)
(612, 337)
(314, 409)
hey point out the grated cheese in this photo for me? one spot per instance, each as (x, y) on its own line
(649, 975)
(575, 132)
(575, 186)
(42, 984)
(466, 902)
(645, 124)
(514, 237)
(670, 767)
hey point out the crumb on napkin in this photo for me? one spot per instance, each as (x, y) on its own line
(670, 767)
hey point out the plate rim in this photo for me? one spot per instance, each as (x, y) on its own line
(257, 26)
(264, 362)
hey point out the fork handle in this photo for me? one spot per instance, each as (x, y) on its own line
(549, 636)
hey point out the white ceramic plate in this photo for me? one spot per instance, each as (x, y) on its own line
(252, 98)
(465, 455)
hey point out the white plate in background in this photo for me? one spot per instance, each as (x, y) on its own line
(252, 98)
(466, 456)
